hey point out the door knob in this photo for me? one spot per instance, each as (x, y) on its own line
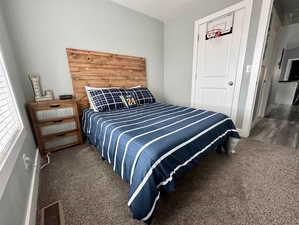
(230, 83)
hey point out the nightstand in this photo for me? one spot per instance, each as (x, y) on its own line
(56, 124)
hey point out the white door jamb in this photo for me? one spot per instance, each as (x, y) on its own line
(257, 64)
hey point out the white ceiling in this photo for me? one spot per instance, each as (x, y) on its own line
(160, 9)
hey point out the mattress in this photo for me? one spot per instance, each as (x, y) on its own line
(149, 146)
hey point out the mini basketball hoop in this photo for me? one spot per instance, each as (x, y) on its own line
(220, 27)
(215, 33)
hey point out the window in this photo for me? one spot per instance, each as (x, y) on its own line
(10, 122)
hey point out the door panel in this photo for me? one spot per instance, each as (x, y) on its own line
(221, 47)
(217, 96)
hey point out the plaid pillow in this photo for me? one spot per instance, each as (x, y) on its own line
(107, 99)
(143, 95)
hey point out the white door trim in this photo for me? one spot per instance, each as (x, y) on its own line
(247, 4)
(257, 64)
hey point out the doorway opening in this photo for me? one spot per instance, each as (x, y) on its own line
(276, 110)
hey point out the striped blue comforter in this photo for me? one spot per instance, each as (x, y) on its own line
(151, 144)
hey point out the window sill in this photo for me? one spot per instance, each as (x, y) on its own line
(8, 164)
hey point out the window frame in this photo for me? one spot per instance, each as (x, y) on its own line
(8, 152)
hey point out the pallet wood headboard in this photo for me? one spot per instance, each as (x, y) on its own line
(104, 70)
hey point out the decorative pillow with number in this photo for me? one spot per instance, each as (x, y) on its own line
(129, 101)
(143, 95)
(107, 99)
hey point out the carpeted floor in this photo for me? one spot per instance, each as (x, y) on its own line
(258, 185)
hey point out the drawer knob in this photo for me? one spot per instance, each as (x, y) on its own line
(60, 135)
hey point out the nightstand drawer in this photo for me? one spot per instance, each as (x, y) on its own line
(59, 141)
(57, 126)
(54, 113)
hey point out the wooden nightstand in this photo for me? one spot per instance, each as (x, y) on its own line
(56, 124)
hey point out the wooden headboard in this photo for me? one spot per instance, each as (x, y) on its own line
(99, 69)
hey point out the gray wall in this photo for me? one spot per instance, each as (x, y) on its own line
(14, 198)
(41, 30)
(178, 51)
(292, 31)
(281, 92)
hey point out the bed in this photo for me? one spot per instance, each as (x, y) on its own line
(150, 145)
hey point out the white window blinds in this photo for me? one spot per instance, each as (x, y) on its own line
(10, 123)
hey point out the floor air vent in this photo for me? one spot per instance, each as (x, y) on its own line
(52, 214)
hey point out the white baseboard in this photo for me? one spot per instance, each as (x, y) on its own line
(33, 195)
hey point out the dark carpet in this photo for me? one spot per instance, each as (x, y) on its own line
(258, 185)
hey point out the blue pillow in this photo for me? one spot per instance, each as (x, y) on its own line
(143, 95)
(107, 99)
(129, 101)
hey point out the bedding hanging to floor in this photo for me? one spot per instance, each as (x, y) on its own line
(150, 145)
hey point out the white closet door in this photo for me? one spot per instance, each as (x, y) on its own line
(217, 66)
